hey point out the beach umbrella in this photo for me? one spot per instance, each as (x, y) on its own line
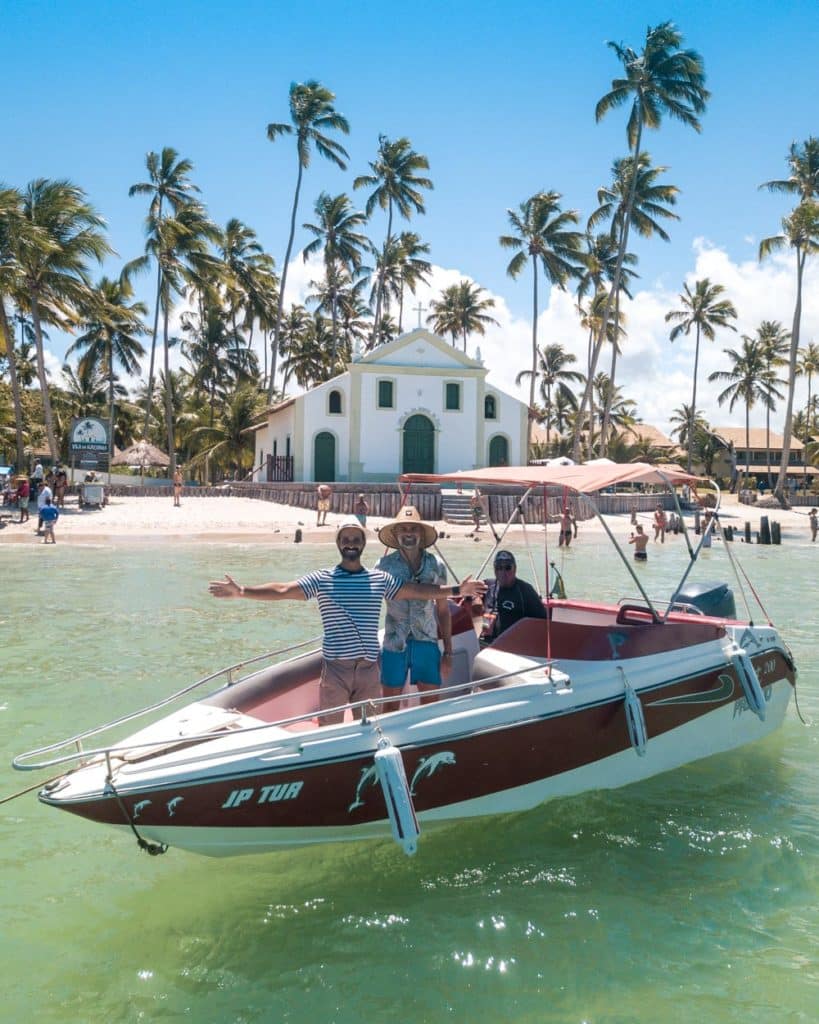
(142, 454)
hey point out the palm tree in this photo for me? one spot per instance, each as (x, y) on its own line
(342, 245)
(773, 340)
(312, 114)
(801, 233)
(226, 443)
(59, 232)
(543, 235)
(11, 285)
(749, 383)
(807, 366)
(687, 421)
(704, 310)
(461, 310)
(651, 200)
(111, 330)
(170, 189)
(395, 183)
(413, 268)
(660, 80)
(552, 372)
(248, 276)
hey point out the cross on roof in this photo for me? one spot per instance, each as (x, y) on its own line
(419, 309)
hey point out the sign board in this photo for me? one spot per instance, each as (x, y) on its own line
(88, 435)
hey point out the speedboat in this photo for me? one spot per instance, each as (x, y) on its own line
(594, 696)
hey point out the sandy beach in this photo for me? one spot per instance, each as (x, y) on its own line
(135, 520)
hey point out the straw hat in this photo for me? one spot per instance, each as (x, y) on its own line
(407, 516)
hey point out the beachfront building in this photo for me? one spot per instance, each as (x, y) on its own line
(754, 452)
(413, 405)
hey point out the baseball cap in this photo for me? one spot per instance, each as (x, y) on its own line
(504, 556)
(350, 524)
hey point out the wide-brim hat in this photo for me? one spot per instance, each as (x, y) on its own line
(407, 516)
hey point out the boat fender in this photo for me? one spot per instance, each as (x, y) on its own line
(744, 668)
(389, 766)
(635, 720)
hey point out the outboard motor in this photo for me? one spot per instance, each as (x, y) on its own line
(711, 598)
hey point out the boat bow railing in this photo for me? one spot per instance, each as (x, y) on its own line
(76, 740)
(111, 753)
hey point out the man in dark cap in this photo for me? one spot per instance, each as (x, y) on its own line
(508, 599)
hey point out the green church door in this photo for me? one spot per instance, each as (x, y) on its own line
(498, 451)
(324, 458)
(419, 446)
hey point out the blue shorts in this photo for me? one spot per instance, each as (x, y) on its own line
(421, 658)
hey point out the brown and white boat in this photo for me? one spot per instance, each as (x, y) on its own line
(595, 696)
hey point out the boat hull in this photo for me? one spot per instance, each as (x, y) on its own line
(494, 751)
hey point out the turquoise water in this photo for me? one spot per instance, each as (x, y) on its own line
(691, 897)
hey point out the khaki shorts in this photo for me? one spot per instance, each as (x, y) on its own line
(324, 505)
(345, 681)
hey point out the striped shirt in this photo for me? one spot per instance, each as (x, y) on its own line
(350, 606)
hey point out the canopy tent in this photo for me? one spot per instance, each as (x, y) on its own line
(585, 479)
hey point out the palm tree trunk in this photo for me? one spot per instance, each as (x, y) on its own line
(110, 413)
(615, 284)
(379, 292)
(692, 412)
(168, 391)
(48, 416)
(779, 492)
(280, 304)
(606, 420)
(534, 362)
(150, 394)
(15, 385)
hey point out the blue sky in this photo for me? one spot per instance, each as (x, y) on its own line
(500, 97)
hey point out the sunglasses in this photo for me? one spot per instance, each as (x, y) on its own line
(504, 565)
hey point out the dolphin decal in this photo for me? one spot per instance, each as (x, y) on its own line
(368, 777)
(429, 765)
(139, 808)
(172, 804)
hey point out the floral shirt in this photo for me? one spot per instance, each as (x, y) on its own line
(415, 617)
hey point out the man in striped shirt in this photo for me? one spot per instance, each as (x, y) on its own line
(349, 598)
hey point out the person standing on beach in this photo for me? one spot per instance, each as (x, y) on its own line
(362, 510)
(23, 495)
(411, 627)
(640, 541)
(60, 484)
(177, 488)
(476, 507)
(49, 514)
(813, 521)
(323, 492)
(349, 598)
(43, 495)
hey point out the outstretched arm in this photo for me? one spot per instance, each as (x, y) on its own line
(433, 592)
(228, 587)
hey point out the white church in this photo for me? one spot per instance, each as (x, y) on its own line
(414, 405)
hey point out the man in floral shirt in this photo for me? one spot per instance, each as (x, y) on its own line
(411, 627)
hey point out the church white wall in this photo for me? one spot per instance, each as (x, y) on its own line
(507, 423)
(280, 426)
(381, 429)
(318, 418)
